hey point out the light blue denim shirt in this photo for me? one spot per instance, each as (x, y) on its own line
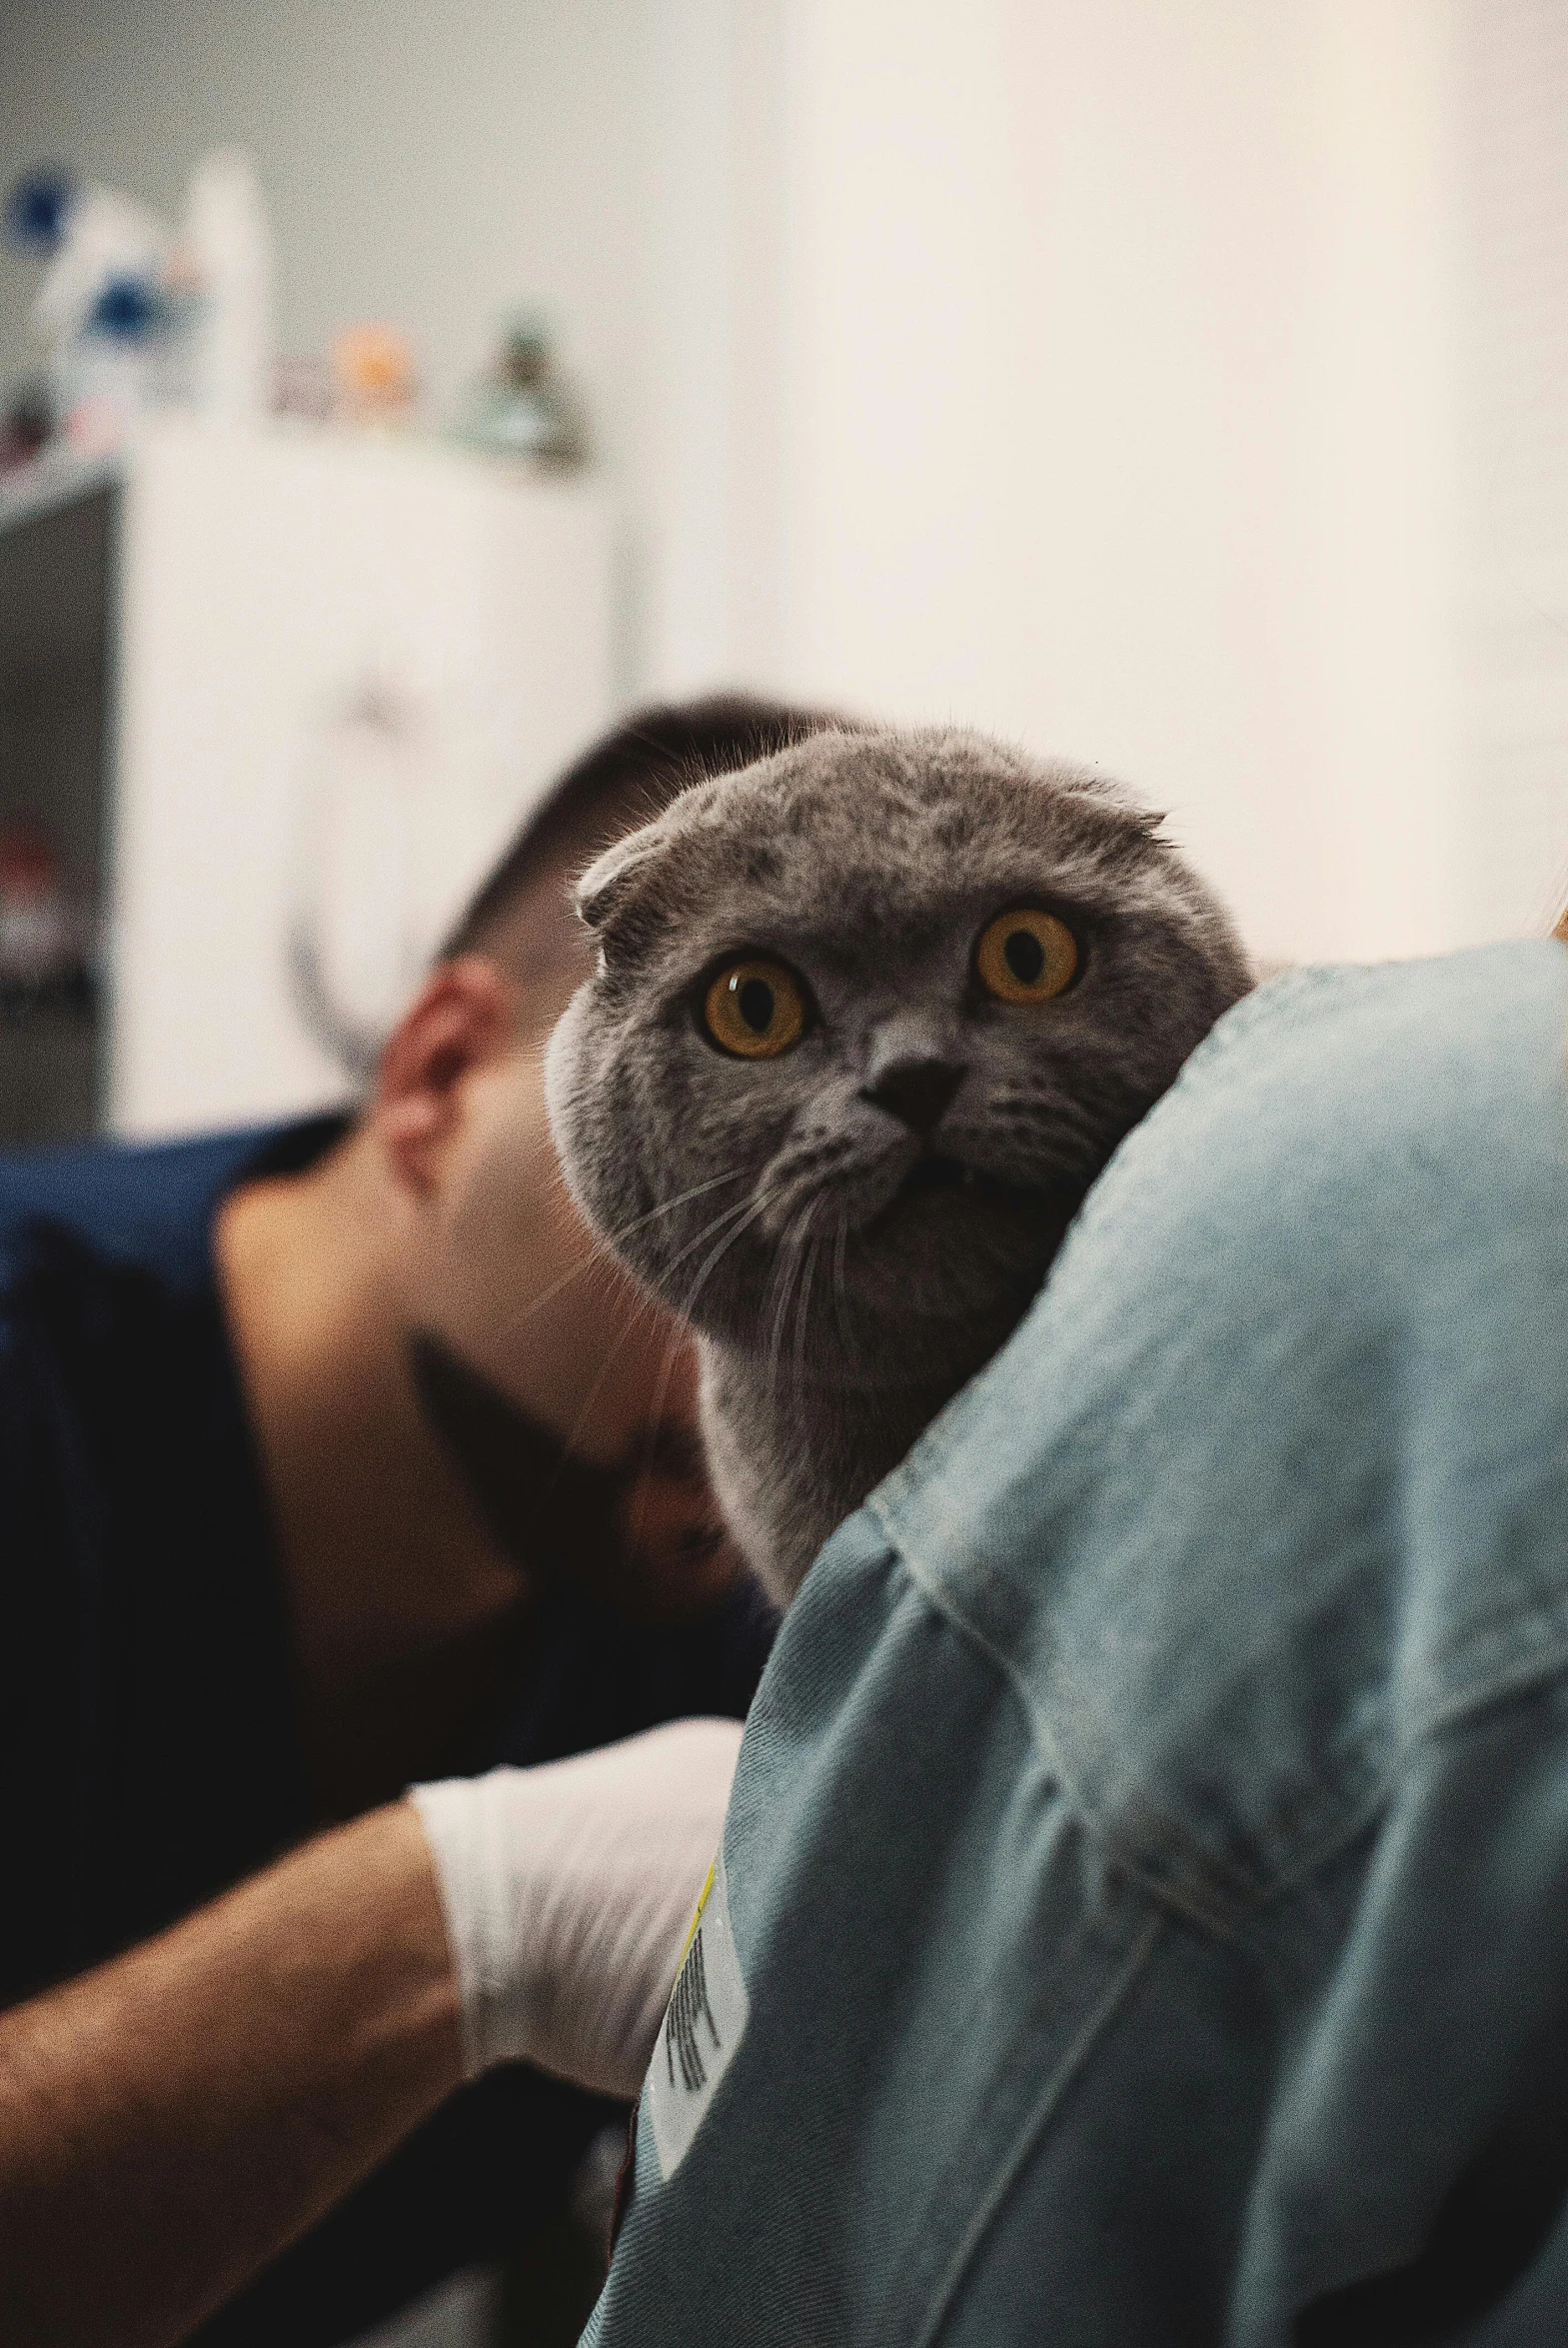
(1143, 1915)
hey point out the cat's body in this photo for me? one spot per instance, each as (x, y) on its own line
(870, 1017)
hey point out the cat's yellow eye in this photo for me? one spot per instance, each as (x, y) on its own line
(754, 1008)
(1025, 956)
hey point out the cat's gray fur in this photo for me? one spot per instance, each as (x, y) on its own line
(764, 1199)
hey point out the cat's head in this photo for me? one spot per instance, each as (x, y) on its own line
(867, 1019)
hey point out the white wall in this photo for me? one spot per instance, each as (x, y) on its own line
(1085, 372)
(1515, 720)
(1116, 414)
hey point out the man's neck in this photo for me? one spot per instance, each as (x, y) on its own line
(391, 1577)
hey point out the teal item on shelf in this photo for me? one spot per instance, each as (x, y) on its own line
(522, 410)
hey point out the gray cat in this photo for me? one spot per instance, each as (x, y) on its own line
(867, 1019)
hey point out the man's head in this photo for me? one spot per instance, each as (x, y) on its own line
(521, 917)
(491, 1260)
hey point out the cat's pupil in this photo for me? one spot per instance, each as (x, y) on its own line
(754, 1002)
(1024, 957)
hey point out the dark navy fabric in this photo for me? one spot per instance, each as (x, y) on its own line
(148, 1742)
(150, 1750)
(1147, 1862)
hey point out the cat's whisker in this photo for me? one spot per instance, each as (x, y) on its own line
(789, 1264)
(777, 1291)
(681, 1199)
(741, 1214)
(748, 1215)
(598, 1262)
(680, 1335)
(674, 1345)
(847, 1337)
(641, 1309)
(803, 1306)
(718, 1222)
(595, 1269)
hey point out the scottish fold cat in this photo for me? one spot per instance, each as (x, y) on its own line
(868, 1019)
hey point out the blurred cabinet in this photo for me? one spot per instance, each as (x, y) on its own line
(270, 703)
(56, 560)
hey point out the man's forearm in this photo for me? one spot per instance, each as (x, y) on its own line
(172, 2120)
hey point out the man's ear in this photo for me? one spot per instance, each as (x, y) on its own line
(463, 1013)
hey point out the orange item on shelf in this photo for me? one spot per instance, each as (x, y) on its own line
(375, 375)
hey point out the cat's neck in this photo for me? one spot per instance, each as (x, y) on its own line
(792, 1452)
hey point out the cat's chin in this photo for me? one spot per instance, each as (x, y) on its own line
(946, 1202)
(952, 1252)
(936, 1172)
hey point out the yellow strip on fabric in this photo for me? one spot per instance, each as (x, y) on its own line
(690, 1930)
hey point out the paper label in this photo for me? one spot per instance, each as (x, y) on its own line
(704, 2025)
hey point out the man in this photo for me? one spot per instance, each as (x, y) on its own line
(1142, 1902)
(331, 1459)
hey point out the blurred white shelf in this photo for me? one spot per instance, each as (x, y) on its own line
(51, 480)
(227, 594)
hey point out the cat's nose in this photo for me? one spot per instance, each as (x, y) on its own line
(915, 1090)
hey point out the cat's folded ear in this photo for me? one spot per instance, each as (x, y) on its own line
(614, 883)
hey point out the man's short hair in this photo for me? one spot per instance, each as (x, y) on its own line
(626, 778)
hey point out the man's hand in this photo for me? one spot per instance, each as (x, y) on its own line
(568, 1892)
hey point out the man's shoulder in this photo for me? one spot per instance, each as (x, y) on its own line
(140, 1205)
(144, 1674)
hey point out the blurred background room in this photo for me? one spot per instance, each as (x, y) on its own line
(1175, 386)
(394, 392)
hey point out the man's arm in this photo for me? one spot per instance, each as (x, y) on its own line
(172, 2120)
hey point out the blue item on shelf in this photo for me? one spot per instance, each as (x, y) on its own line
(127, 310)
(37, 209)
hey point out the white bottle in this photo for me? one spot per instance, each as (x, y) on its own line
(228, 249)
